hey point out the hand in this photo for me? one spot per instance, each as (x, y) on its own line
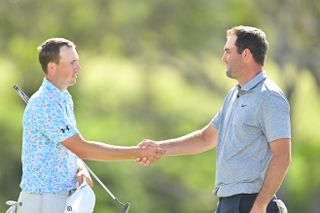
(152, 152)
(258, 209)
(83, 173)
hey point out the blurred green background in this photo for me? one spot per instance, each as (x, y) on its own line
(153, 69)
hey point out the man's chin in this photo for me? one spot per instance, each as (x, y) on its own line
(73, 82)
(229, 74)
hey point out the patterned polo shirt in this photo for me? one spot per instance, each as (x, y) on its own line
(47, 166)
(250, 119)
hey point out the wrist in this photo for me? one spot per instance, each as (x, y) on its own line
(260, 204)
(134, 152)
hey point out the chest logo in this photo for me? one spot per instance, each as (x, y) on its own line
(63, 130)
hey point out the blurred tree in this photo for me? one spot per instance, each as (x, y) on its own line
(151, 64)
(295, 37)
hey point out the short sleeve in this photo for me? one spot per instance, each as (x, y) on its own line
(275, 117)
(215, 122)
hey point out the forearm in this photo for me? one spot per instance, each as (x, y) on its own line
(276, 172)
(193, 143)
(104, 152)
(92, 150)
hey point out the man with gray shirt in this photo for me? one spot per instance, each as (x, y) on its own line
(251, 132)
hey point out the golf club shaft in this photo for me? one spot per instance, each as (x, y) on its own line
(125, 208)
(22, 95)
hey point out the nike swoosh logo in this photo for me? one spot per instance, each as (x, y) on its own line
(243, 105)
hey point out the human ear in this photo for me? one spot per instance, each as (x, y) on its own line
(246, 54)
(51, 67)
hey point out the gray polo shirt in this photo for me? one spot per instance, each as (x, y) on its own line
(250, 119)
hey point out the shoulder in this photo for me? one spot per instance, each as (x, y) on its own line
(273, 98)
(43, 99)
(269, 87)
(272, 92)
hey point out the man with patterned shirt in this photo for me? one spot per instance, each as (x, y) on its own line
(51, 140)
(251, 132)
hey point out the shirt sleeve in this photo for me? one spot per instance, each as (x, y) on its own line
(215, 122)
(275, 117)
(52, 121)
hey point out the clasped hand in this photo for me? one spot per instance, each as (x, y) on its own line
(152, 152)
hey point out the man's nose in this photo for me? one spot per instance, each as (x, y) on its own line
(78, 67)
(223, 58)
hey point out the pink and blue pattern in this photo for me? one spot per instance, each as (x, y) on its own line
(47, 166)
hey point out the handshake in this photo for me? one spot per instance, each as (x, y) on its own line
(150, 151)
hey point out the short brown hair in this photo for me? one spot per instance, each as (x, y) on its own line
(49, 51)
(250, 38)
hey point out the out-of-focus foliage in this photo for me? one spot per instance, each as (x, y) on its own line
(152, 69)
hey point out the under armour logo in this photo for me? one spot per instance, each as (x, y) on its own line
(64, 130)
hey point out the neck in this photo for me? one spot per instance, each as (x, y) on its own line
(56, 84)
(249, 74)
